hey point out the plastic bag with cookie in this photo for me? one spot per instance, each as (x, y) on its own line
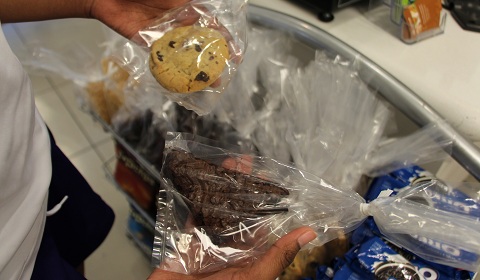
(221, 208)
(190, 53)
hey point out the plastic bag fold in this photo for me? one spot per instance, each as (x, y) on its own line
(226, 223)
(434, 220)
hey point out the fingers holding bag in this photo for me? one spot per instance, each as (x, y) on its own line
(190, 54)
(268, 266)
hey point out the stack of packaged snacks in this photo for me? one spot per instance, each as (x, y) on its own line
(371, 256)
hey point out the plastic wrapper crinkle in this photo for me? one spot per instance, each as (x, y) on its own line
(227, 18)
(318, 113)
(103, 87)
(218, 208)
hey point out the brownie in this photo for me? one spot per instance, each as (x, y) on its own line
(220, 198)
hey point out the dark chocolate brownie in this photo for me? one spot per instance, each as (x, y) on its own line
(219, 198)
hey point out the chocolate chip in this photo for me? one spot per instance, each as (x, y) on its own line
(211, 57)
(198, 48)
(172, 44)
(159, 56)
(202, 76)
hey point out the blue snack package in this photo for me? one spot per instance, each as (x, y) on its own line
(439, 195)
(433, 193)
(350, 259)
(365, 231)
(445, 197)
(141, 231)
(395, 181)
(408, 174)
(375, 257)
(455, 201)
(429, 270)
(324, 272)
(379, 259)
(433, 247)
(345, 273)
(368, 229)
(338, 263)
(383, 183)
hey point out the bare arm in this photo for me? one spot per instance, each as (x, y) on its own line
(124, 16)
(36, 10)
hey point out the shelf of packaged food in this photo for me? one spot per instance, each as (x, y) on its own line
(142, 246)
(140, 231)
(109, 168)
(142, 161)
(137, 226)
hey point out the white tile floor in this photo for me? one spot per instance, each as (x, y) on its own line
(82, 139)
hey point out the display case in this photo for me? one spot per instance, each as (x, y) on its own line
(411, 113)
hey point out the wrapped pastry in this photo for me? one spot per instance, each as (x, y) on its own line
(212, 217)
(219, 198)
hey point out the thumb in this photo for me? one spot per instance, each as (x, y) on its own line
(281, 254)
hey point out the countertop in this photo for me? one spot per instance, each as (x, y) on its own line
(443, 70)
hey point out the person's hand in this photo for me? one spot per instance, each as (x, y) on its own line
(268, 266)
(124, 16)
(128, 16)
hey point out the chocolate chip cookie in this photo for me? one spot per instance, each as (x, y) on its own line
(189, 58)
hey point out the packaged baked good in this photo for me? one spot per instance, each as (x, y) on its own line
(106, 96)
(190, 53)
(143, 131)
(189, 58)
(231, 205)
(221, 208)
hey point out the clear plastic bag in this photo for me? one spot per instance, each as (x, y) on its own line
(317, 113)
(338, 119)
(146, 117)
(231, 235)
(221, 18)
(426, 145)
(102, 83)
(209, 218)
(252, 103)
(434, 220)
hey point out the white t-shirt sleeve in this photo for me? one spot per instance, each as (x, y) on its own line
(25, 169)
